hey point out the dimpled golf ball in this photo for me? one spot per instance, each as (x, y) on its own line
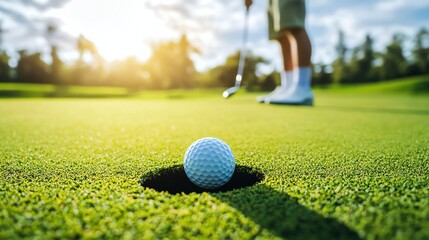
(209, 163)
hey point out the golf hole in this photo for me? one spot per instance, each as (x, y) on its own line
(174, 180)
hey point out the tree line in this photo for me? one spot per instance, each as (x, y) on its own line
(362, 63)
(170, 66)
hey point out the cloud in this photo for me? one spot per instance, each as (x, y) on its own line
(380, 19)
(400, 5)
(40, 5)
(215, 26)
(15, 15)
(25, 12)
(25, 26)
(189, 15)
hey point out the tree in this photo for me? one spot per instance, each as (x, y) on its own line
(393, 60)
(269, 82)
(420, 52)
(186, 68)
(127, 73)
(84, 73)
(31, 69)
(56, 61)
(322, 74)
(4, 61)
(4, 67)
(250, 77)
(84, 45)
(170, 65)
(361, 64)
(55, 66)
(225, 74)
(340, 71)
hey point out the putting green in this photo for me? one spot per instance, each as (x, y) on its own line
(354, 165)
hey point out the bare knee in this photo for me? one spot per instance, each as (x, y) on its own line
(295, 32)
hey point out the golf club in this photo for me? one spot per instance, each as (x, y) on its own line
(232, 90)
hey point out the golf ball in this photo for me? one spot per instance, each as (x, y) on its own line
(209, 163)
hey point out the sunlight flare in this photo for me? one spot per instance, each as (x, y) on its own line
(118, 29)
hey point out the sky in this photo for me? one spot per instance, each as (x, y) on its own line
(124, 28)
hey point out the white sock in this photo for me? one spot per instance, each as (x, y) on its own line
(286, 79)
(304, 77)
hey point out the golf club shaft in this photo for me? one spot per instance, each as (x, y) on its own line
(243, 52)
(232, 90)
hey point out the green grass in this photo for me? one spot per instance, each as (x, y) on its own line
(410, 85)
(20, 90)
(28, 90)
(356, 165)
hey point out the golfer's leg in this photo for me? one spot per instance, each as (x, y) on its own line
(303, 46)
(286, 52)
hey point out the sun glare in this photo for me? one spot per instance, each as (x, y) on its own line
(119, 29)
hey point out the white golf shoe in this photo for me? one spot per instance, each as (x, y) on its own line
(297, 96)
(276, 91)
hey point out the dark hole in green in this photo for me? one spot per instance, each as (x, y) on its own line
(174, 180)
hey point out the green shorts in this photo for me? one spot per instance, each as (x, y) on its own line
(283, 14)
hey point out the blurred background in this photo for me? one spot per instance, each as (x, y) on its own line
(140, 45)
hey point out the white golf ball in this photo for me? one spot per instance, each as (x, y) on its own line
(209, 163)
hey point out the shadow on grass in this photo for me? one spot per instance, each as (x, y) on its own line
(421, 87)
(283, 215)
(271, 209)
(20, 94)
(85, 95)
(36, 94)
(174, 180)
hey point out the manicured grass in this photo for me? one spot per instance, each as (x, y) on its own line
(411, 85)
(418, 85)
(354, 165)
(20, 90)
(28, 90)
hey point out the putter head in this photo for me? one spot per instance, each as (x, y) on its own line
(229, 92)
